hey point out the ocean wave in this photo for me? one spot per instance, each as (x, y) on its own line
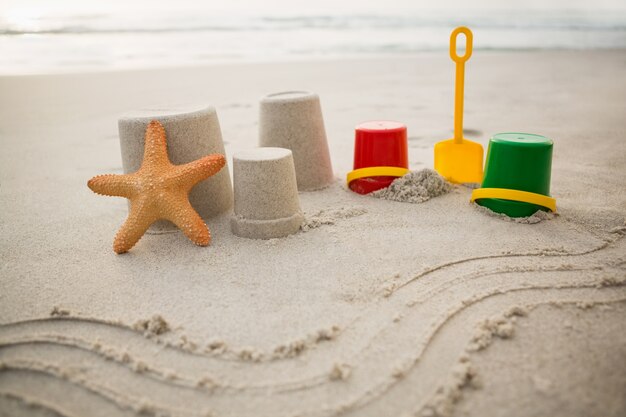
(96, 42)
(100, 24)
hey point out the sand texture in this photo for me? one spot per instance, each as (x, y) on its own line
(415, 187)
(374, 308)
(267, 204)
(294, 120)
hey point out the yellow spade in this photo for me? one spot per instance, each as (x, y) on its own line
(459, 160)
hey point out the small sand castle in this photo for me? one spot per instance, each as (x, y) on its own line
(159, 190)
(293, 120)
(266, 194)
(191, 134)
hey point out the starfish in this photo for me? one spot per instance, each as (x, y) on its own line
(159, 190)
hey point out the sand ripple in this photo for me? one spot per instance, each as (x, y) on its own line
(416, 319)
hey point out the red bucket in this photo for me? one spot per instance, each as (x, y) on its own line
(380, 155)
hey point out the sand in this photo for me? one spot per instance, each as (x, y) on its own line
(536, 217)
(374, 308)
(415, 187)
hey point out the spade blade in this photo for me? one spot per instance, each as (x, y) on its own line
(459, 162)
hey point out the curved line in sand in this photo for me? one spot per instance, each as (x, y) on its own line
(289, 386)
(27, 403)
(364, 401)
(80, 345)
(511, 255)
(230, 355)
(104, 393)
(155, 373)
(359, 403)
(128, 328)
(425, 403)
(111, 354)
(475, 298)
(159, 375)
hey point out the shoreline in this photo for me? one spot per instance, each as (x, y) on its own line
(356, 58)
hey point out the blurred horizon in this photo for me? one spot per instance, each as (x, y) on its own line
(307, 7)
(38, 36)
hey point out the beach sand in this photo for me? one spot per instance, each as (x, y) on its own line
(377, 308)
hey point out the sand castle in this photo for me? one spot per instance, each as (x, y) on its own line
(267, 180)
(159, 190)
(294, 120)
(266, 194)
(191, 134)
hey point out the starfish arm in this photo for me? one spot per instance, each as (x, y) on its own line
(138, 221)
(155, 146)
(184, 216)
(193, 172)
(112, 185)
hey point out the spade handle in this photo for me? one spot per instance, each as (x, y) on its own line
(460, 77)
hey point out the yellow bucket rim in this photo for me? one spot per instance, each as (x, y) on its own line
(515, 195)
(376, 172)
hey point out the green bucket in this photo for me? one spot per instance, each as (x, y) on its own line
(517, 161)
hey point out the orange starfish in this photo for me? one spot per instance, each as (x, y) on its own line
(159, 190)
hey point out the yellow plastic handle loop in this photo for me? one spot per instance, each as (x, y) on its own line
(459, 84)
(376, 172)
(515, 195)
(468, 44)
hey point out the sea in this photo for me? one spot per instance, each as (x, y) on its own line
(38, 39)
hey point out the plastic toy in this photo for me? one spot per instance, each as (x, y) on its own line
(517, 175)
(459, 160)
(380, 156)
